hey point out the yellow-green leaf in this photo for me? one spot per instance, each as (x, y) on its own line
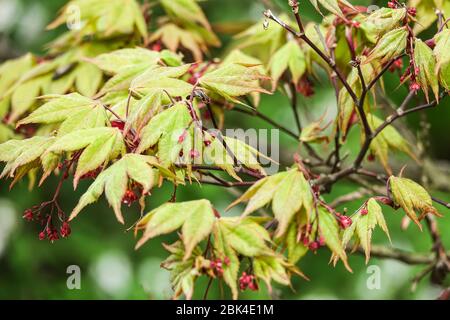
(114, 182)
(412, 197)
(425, 62)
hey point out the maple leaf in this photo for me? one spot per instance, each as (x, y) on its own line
(388, 139)
(72, 111)
(233, 80)
(99, 145)
(18, 153)
(329, 229)
(115, 179)
(195, 218)
(381, 21)
(332, 6)
(170, 131)
(442, 55)
(291, 57)
(289, 192)
(390, 46)
(364, 222)
(426, 64)
(107, 18)
(412, 197)
(183, 271)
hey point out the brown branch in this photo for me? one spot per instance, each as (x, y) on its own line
(389, 120)
(410, 258)
(301, 35)
(295, 108)
(327, 180)
(356, 195)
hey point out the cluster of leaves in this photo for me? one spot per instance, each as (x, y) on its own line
(126, 107)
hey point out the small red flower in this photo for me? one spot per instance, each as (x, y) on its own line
(118, 124)
(364, 211)
(129, 197)
(217, 266)
(305, 87)
(345, 222)
(414, 87)
(313, 246)
(157, 46)
(322, 241)
(248, 281)
(397, 65)
(65, 230)
(412, 11)
(194, 154)
(28, 215)
(42, 235)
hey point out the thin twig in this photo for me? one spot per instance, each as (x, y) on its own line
(301, 35)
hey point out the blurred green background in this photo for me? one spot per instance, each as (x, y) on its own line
(112, 269)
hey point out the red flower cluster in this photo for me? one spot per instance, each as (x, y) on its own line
(248, 281)
(217, 265)
(397, 65)
(317, 244)
(50, 231)
(129, 197)
(344, 221)
(305, 87)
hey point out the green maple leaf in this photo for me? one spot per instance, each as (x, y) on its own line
(72, 111)
(99, 145)
(183, 272)
(289, 192)
(329, 229)
(6, 133)
(114, 182)
(291, 57)
(18, 153)
(346, 103)
(364, 224)
(12, 70)
(390, 46)
(388, 139)
(117, 61)
(271, 268)
(186, 11)
(143, 111)
(195, 218)
(412, 197)
(157, 79)
(296, 249)
(170, 131)
(442, 55)
(223, 249)
(245, 236)
(256, 37)
(332, 6)
(233, 80)
(426, 64)
(381, 21)
(107, 18)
